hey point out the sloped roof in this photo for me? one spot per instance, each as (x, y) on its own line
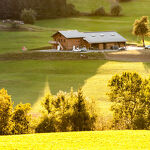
(103, 37)
(94, 37)
(72, 34)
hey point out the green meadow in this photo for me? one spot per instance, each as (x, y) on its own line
(27, 80)
(14, 41)
(114, 140)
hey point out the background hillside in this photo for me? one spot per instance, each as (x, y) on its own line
(135, 8)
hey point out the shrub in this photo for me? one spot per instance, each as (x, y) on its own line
(28, 16)
(71, 11)
(66, 112)
(99, 12)
(115, 9)
(21, 119)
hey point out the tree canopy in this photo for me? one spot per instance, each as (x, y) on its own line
(11, 9)
(141, 28)
(130, 95)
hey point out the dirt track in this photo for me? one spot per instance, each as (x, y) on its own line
(133, 56)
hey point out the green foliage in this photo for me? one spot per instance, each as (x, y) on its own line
(130, 94)
(28, 16)
(6, 107)
(15, 121)
(115, 9)
(66, 112)
(81, 119)
(99, 12)
(141, 28)
(21, 119)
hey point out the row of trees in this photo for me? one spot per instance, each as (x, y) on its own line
(44, 8)
(13, 120)
(115, 10)
(63, 112)
(72, 111)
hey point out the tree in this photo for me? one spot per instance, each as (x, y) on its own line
(28, 16)
(130, 95)
(6, 108)
(82, 119)
(141, 28)
(66, 112)
(99, 12)
(115, 9)
(21, 119)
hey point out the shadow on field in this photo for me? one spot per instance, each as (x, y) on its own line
(25, 80)
(147, 67)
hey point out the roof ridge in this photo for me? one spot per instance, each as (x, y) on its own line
(99, 31)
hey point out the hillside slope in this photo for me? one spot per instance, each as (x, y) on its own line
(78, 140)
(134, 8)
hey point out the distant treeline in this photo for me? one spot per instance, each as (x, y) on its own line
(11, 9)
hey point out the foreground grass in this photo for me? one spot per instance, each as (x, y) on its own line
(114, 140)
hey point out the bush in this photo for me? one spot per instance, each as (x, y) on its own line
(115, 9)
(28, 16)
(99, 12)
(66, 112)
(21, 119)
(71, 11)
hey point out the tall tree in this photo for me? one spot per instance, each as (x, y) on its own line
(130, 95)
(6, 107)
(141, 28)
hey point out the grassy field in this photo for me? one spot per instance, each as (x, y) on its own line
(134, 8)
(114, 140)
(27, 80)
(14, 41)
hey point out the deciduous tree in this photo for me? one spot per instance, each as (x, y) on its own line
(6, 108)
(130, 95)
(141, 28)
(21, 119)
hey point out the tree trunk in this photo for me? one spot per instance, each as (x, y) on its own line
(143, 41)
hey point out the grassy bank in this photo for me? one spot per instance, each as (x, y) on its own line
(114, 140)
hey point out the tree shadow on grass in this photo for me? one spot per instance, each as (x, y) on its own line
(25, 80)
(147, 67)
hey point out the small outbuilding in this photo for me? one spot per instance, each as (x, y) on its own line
(68, 40)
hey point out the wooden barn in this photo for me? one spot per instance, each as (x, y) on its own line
(68, 40)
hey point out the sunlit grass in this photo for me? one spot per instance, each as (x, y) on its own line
(114, 140)
(26, 81)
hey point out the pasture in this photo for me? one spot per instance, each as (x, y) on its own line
(27, 80)
(114, 140)
(43, 29)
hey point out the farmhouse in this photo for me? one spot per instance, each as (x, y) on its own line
(68, 40)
